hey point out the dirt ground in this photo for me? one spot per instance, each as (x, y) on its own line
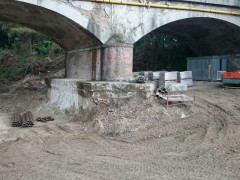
(140, 139)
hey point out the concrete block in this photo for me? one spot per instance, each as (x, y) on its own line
(154, 75)
(146, 74)
(188, 82)
(177, 87)
(185, 75)
(168, 76)
(82, 99)
(166, 83)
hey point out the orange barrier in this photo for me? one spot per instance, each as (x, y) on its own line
(231, 75)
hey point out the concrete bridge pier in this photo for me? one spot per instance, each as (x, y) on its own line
(96, 81)
(84, 64)
(117, 62)
(109, 62)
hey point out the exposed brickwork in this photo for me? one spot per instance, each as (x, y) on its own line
(117, 62)
(108, 63)
(84, 64)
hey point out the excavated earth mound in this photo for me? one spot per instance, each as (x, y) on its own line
(140, 139)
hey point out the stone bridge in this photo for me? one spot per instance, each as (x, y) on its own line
(98, 35)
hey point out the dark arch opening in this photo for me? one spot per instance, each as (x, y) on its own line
(199, 36)
(160, 51)
(68, 34)
(206, 36)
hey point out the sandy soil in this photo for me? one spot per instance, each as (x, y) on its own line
(139, 140)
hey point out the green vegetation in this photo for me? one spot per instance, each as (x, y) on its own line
(24, 41)
(158, 51)
(19, 45)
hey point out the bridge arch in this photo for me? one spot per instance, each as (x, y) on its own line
(205, 33)
(61, 22)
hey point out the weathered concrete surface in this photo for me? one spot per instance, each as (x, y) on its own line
(84, 99)
(63, 94)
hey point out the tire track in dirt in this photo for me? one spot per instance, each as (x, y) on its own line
(202, 145)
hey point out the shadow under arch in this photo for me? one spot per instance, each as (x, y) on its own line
(205, 36)
(65, 32)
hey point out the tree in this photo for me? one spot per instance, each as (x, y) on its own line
(158, 51)
(25, 41)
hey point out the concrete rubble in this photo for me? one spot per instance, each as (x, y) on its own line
(83, 99)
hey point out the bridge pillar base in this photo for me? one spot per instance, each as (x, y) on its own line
(84, 100)
(84, 64)
(117, 62)
(106, 63)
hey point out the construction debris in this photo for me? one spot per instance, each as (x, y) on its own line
(45, 119)
(16, 120)
(161, 91)
(138, 79)
(26, 120)
(35, 85)
(168, 79)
